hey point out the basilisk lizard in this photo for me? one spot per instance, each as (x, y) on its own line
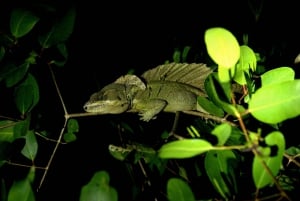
(170, 88)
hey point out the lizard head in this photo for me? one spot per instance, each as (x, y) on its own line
(112, 99)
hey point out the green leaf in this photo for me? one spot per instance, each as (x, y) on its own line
(22, 127)
(60, 31)
(260, 175)
(293, 151)
(222, 132)
(246, 62)
(220, 167)
(69, 137)
(277, 102)
(22, 22)
(7, 131)
(222, 46)
(179, 190)
(31, 146)
(98, 189)
(184, 53)
(209, 106)
(21, 191)
(16, 74)
(210, 85)
(27, 95)
(176, 56)
(64, 52)
(72, 126)
(225, 74)
(277, 75)
(184, 148)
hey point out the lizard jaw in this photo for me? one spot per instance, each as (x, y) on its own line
(106, 107)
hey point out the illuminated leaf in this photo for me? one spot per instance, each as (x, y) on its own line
(184, 148)
(277, 102)
(277, 75)
(222, 46)
(260, 175)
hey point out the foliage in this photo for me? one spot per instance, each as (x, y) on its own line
(240, 140)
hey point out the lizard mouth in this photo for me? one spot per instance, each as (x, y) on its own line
(106, 107)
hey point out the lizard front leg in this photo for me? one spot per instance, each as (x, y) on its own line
(148, 109)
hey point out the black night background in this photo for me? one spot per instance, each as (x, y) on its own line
(112, 38)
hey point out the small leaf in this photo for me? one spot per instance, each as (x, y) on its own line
(222, 46)
(277, 75)
(64, 53)
(31, 146)
(260, 175)
(21, 191)
(98, 189)
(184, 53)
(176, 56)
(27, 95)
(277, 102)
(69, 137)
(222, 132)
(179, 190)
(246, 62)
(72, 126)
(22, 22)
(60, 31)
(293, 151)
(184, 148)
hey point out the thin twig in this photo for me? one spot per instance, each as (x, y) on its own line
(58, 142)
(209, 116)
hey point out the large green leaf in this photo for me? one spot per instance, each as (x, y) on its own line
(179, 190)
(21, 22)
(260, 175)
(27, 95)
(60, 31)
(222, 46)
(277, 102)
(31, 146)
(277, 75)
(220, 167)
(98, 189)
(21, 191)
(184, 148)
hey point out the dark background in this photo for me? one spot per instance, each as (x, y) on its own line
(109, 39)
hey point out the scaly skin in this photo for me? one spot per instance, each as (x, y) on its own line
(130, 94)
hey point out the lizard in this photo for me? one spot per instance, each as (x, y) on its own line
(172, 87)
